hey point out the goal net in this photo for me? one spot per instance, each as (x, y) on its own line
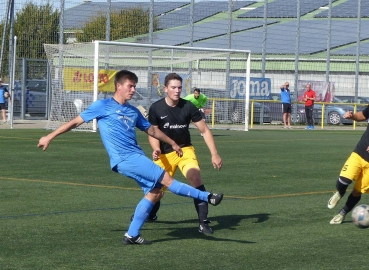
(82, 73)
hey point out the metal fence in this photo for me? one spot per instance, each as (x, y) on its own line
(290, 40)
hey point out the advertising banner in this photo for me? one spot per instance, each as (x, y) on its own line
(324, 91)
(260, 88)
(82, 79)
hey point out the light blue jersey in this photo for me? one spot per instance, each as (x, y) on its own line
(285, 95)
(117, 124)
(2, 91)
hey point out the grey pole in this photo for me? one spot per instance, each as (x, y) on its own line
(297, 48)
(327, 70)
(107, 27)
(4, 36)
(59, 82)
(11, 39)
(192, 26)
(12, 83)
(264, 38)
(107, 33)
(229, 37)
(192, 6)
(357, 70)
(149, 64)
(23, 88)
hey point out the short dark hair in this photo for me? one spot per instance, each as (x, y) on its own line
(170, 77)
(197, 90)
(123, 75)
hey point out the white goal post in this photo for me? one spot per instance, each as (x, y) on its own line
(82, 73)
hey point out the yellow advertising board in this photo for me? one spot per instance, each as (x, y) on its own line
(82, 79)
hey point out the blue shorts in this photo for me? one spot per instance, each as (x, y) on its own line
(144, 171)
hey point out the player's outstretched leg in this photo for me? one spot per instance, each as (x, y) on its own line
(341, 185)
(152, 216)
(185, 190)
(142, 212)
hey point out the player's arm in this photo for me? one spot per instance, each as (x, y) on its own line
(188, 97)
(305, 97)
(203, 103)
(10, 97)
(45, 141)
(359, 116)
(155, 145)
(209, 140)
(156, 133)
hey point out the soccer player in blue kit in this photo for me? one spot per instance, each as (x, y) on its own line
(117, 121)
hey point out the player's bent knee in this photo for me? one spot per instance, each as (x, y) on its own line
(155, 195)
(167, 180)
(342, 184)
(356, 193)
(344, 180)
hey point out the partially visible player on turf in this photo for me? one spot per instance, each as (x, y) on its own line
(198, 99)
(355, 169)
(173, 115)
(3, 90)
(117, 121)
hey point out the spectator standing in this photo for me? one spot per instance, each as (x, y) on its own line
(3, 90)
(286, 104)
(309, 98)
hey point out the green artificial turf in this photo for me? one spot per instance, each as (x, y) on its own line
(65, 209)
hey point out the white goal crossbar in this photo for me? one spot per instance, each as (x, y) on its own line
(84, 73)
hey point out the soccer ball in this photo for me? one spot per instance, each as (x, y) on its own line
(6, 94)
(360, 216)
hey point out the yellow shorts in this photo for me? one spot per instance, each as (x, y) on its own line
(170, 162)
(357, 170)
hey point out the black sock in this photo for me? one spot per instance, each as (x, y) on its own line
(201, 206)
(350, 204)
(154, 210)
(342, 185)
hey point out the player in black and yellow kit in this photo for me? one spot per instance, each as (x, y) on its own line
(355, 169)
(173, 115)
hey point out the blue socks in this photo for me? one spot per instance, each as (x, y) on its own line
(185, 190)
(144, 207)
(143, 210)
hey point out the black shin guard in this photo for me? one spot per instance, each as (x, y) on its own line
(154, 210)
(342, 185)
(350, 203)
(201, 206)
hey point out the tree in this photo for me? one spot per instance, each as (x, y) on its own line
(126, 23)
(35, 25)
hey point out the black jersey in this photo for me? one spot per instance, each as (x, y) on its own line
(174, 121)
(363, 144)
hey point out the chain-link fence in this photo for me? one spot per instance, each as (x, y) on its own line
(290, 40)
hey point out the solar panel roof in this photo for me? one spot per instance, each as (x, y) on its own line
(285, 9)
(348, 9)
(201, 31)
(282, 37)
(364, 50)
(76, 17)
(201, 11)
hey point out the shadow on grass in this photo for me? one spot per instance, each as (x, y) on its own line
(230, 222)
